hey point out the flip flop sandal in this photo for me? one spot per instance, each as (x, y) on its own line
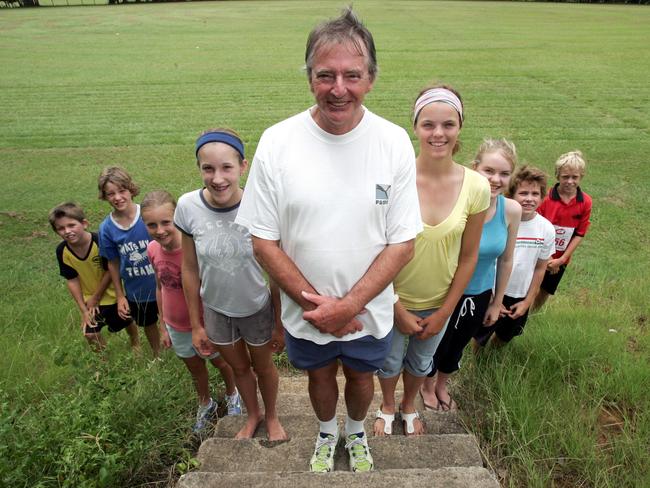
(449, 406)
(427, 407)
(388, 419)
(408, 419)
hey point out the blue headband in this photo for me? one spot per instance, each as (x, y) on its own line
(223, 137)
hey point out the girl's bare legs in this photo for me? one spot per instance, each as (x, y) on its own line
(267, 377)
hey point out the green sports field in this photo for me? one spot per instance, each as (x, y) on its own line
(86, 87)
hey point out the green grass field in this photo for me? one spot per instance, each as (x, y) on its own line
(84, 87)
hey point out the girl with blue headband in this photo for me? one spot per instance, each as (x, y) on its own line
(222, 278)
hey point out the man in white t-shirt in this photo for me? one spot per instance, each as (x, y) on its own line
(332, 206)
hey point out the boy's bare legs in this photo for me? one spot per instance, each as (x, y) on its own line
(441, 391)
(388, 386)
(359, 389)
(540, 300)
(196, 367)
(412, 385)
(153, 336)
(428, 392)
(134, 336)
(96, 341)
(324, 391)
(237, 358)
(267, 377)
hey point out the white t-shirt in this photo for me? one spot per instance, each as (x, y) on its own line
(334, 202)
(232, 282)
(535, 240)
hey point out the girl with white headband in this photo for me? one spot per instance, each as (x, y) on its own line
(482, 299)
(453, 203)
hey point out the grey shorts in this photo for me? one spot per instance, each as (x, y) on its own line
(256, 329)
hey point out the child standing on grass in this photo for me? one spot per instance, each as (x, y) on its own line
(481, 302)
(535, 245)
(166, 257)
(123, 240)
(568, 208)
(88, 281)
(220, 272)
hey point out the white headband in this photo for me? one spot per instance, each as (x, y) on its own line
(438, 95)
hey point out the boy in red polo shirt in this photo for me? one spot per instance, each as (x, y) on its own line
(568, 208)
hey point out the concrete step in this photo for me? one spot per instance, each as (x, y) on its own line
(298, 384)
(395, 452)
(299, 403)
(473, 477)
(306, 425)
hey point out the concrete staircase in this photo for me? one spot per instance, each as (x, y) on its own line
(446, 456)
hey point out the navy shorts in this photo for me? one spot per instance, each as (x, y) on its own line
(366, 354)
(144, 313)
(505, 328)
(550, 281)
(108, 317)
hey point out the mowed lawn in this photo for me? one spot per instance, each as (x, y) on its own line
(85, 87)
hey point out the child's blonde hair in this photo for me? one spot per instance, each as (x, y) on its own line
(119, 177)
(528, 174)
(67, 209)
(504, 146)
(571, 160)
(157, 198)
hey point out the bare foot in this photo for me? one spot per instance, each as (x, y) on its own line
(381, 427)
(428, 393)
(275, 431)
(446, 402)
(248, 430)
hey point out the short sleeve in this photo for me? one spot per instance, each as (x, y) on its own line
(404, 220)
(180, 215)
(480, 197)
(584, 224)
(107, 247)
(65, 270)
(548, 248)
(258, 210)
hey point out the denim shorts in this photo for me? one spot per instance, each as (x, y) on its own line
(182, 344)
(365, 354)
(409, 352)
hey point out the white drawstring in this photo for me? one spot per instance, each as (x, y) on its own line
(463, 310)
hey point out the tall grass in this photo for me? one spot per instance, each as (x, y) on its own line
(82, 88)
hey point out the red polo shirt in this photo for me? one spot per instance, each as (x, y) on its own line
(569, 219)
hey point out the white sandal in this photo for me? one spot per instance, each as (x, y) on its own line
(388, 419)
(408, 419)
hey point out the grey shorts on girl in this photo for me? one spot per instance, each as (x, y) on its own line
(256, 329)
(411, 353)
(182, 344)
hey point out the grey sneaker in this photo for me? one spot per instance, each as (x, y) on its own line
(323, 459)
(233, 403)
(203, 415)
(360, 457)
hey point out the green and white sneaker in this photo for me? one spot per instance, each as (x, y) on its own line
(360, 457)
(323, 459)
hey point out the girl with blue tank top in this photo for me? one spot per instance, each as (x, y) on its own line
(481, 302)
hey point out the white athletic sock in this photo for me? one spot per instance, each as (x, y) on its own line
(353, 426)
(329, 427)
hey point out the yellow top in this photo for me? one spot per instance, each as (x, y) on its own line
(424, 282)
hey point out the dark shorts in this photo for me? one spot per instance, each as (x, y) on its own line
(505, 328)
(256, 329)
(463, 324)
(108, 317)
(144, 313)
(366, 354)
(550, 281)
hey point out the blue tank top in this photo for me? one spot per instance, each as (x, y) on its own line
(493, 242)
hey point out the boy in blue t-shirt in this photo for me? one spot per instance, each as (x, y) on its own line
(123, 240)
